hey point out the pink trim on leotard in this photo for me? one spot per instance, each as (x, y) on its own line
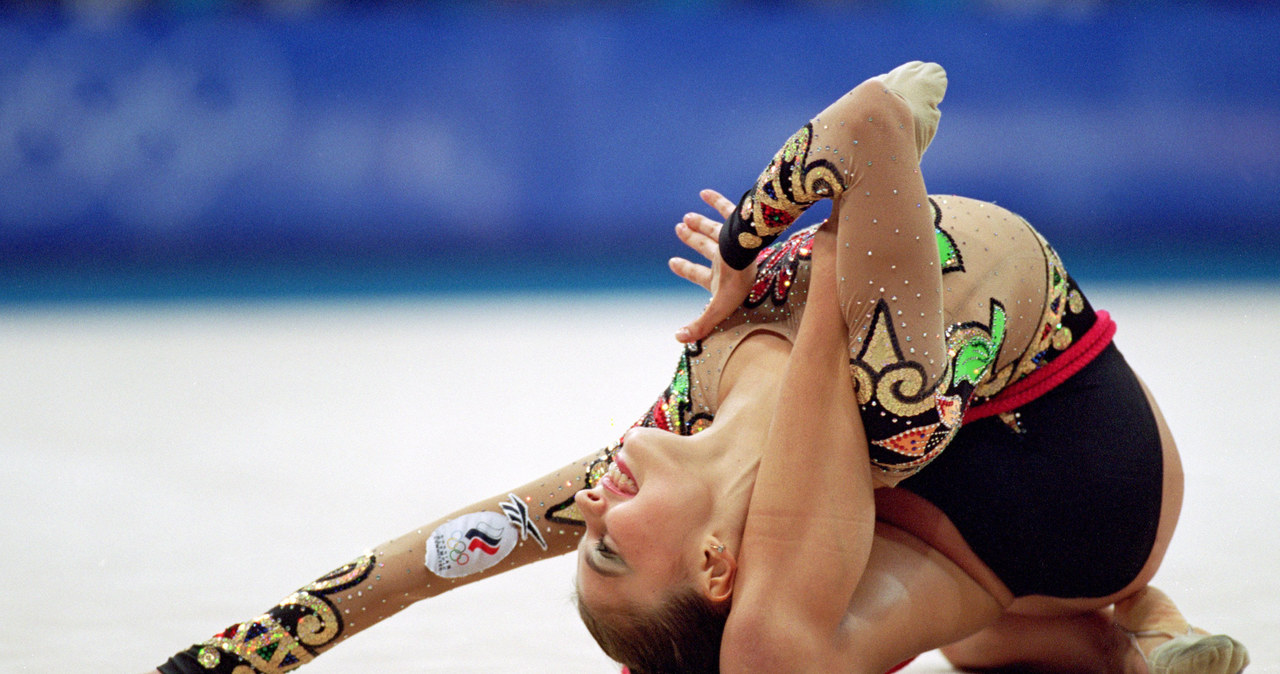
(1056, 371)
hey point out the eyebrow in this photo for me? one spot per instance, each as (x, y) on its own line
(595, 566)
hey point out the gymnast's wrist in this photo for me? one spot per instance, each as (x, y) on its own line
(732, 249)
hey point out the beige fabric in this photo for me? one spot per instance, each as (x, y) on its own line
(909, 308)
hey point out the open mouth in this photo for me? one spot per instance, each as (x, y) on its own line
(618, 479)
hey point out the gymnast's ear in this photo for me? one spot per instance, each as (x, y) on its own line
(717, 573)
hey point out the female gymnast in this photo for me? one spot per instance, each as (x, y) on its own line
(737, 525)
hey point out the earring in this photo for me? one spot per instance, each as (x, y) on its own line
(718, 548)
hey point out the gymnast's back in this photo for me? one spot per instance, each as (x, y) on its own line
(1006, 297)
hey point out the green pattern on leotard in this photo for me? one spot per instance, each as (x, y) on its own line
(976, 350)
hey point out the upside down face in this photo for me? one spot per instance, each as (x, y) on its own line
(646, 520)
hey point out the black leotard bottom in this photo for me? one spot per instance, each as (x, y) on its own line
(1068, 506)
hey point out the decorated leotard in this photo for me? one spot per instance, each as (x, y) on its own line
(958, 313)
(951, 303)
(964, 329)
(1035, 315)
(956, 309)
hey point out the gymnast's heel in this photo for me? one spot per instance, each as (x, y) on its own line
(922, 86)
(1192, 653)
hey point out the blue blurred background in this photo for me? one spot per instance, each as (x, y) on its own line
(215, 149)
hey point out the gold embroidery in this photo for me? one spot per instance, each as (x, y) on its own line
(786, 187)
(881, 372)
(266, 645)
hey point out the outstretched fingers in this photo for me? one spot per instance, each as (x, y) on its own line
(700, 233)
(728, 286)
(691, 271)
(717, 201)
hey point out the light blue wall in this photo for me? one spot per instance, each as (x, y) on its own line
(402, 147)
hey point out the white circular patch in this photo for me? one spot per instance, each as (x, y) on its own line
(470, 544)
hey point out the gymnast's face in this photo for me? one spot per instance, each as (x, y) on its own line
(646, 520)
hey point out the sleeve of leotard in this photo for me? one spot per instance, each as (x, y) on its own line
(783, 192)
(511, 529)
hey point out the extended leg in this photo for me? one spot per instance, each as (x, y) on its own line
(910, 393)
(922, 86)
(817, 162)
(1146, 634)
(802, 173)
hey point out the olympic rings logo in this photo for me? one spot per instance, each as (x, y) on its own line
(460, 546)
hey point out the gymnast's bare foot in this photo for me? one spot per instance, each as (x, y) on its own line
(1168, 644)
(922, 85)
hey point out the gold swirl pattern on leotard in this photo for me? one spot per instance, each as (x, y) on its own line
(290, 634)
(884, 376)
(908, 419)
(789, 185)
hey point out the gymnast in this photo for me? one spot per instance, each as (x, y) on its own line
(786, 504)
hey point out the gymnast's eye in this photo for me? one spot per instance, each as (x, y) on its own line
(604, 550)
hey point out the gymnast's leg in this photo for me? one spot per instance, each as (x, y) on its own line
(1083, 642)
(910, 599)
(1099, 641)
(889, 276)
(863, 153)
(1070, 635)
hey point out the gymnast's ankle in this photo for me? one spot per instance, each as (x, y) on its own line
(922, 86)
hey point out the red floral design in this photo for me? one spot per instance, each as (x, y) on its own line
(777, 266)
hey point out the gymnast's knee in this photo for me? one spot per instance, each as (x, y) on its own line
(869, 112)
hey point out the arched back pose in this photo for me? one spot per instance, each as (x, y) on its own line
(1055, 501)
(747, 484)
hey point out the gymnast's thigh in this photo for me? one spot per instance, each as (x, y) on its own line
(911, 599)
(886, 253)
(1065, 499)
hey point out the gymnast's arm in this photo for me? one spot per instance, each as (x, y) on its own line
(789, 185)
(812, 515)
(511, 529)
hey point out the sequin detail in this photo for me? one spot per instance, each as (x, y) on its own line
(910, 420)
(882, 374)
(777, 268)
(973, 348)
(788, 186)
(1066, 316)
(670, 413)
(290, 634)
(948, 251)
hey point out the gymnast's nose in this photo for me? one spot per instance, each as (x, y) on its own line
(591, 502)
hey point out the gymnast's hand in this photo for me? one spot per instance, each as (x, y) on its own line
(728, 286)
